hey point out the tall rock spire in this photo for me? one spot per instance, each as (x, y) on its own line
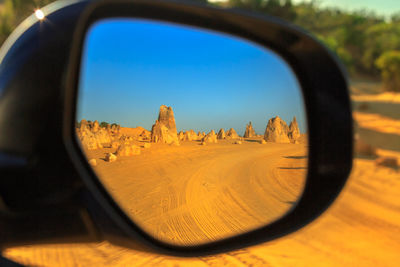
(164, 129)
(276, 131)
(249, 131)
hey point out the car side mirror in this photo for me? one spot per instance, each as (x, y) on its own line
(172, 126)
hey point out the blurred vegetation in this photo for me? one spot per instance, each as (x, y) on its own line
(104, 124)
(367, 44)
(389, 64)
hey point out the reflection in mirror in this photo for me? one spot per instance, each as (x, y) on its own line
(197, 135)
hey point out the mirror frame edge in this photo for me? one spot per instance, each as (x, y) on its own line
(328, 173)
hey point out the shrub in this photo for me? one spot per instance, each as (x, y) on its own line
(104, 124)
(389, 64)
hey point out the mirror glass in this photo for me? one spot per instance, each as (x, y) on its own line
(197, 135)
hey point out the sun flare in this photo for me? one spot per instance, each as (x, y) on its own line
(39, 14)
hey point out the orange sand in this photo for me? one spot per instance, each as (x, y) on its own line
(362, 228)
(192, 194)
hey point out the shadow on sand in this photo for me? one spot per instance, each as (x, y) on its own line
(295, 157)
(292, 168)
(386, 109)
(252, 141)
(385, 141)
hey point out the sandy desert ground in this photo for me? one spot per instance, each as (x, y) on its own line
(193, 193)
(362, 228)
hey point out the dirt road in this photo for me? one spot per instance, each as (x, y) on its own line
(194, 194)
(362, 228)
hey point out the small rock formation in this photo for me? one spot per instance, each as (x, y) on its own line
(124, 139)
(146, 145)
(189, 136)
(201, 135)
(276, 131)
(164, 129)
(263, 142)
(115, 128)
(221, 134)
(181, 136)
(145, 136)
(115, 144)
(211, 137)
(92, 136)
(127, 150)
(110, 157)
(294, 131)
(390, 162)
(231, 134)
(193, 135)
(238, 142)
(93, 162)
(249, 131)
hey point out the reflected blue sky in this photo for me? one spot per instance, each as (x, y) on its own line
(212, 81)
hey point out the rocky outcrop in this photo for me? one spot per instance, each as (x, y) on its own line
(194, 135)
(190, 136)
(115, 144)
(144, 136)
(93, 162)
(231, 134)
(221, 134)
(110, 157)
(164, 130)
(211, 137)
(200, 135)
(127, 150)
(277, 131)
(249, 132)
(124, 139)
(187, 136)
(92, 136)
(181, 136)
(294, 131)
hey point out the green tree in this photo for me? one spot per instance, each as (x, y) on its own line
(104, 124)
(357, 38)
(279, 8)
(389, 64)
(380, 38)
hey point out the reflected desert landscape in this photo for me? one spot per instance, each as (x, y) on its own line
(197, 185)
(192, 188)
(360, 229)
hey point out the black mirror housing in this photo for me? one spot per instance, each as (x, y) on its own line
(46, 177)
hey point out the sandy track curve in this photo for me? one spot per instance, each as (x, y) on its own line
(194, 194)
(362, 228)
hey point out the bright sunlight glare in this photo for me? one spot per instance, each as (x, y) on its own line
(39, 14)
